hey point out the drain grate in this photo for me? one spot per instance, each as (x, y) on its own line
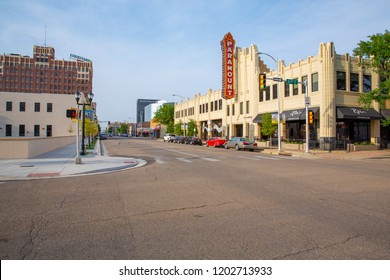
(27, 166)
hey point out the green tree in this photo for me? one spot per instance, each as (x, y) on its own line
(123, 128)
(267, 127)
(177, 128)
(192, 129)
(375, 54)
(165, 115)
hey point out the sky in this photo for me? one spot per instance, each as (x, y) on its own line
(153, 49)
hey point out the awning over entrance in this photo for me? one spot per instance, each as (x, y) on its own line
(299, 114)
(357, 113)
(259, 118)
(385, 113)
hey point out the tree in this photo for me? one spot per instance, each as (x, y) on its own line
(267, 127)
(123, 128)
(192, 129)
(177, 128)
(165, 115)
(375, 54)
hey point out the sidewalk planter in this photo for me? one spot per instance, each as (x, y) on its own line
(357, 148)
(289, 146)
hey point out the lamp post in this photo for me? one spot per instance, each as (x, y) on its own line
(184, 118)
(78, 96)
(278, 89)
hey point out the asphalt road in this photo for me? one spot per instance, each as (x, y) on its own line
(192, 202)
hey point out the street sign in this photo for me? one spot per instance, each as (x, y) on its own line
(307, 101)
(292, 81)
(277, 79)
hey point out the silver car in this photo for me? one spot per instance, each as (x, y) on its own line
(241, 143)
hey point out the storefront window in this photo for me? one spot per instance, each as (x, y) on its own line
(341, 82)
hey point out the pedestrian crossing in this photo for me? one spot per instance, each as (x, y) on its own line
(166, 160)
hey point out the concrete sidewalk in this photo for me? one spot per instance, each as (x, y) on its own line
(340, 155)
(61, 163)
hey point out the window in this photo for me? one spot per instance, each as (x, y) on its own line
(341, 81)
(233, 110)
(304, 80)
(36, 130)
(228, 110)
(216, 105)
(295, 89)
(8, 106)
(22, 106)
(354, 82)
(275, 91)
(268, 93)
(49, 130)
(220, 104)
(261, 96)
(22, 130)
(314, 82)
(286, 90)
(241, 108)
(49, 107)
(247, 107)
(8, 130)
(212, 106)
(37, 107)
(366, 83)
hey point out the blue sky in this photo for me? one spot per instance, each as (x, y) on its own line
(153, 49)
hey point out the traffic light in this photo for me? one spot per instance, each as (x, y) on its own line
(262, 81)
(71, 113)
(311, 117)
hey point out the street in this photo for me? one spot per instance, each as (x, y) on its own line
(194, 202)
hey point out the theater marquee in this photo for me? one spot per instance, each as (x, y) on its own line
(227, 46)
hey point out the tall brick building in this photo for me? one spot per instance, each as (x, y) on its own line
(43, 73)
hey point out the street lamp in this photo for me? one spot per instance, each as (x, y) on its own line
(83, 102)
(184, 117)
(278, 91)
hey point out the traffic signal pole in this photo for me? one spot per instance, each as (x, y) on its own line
(307, 117)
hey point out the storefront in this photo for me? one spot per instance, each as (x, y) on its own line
(295, 124)
(259, 120)
(354, 125)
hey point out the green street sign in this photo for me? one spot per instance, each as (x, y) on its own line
(292, 81)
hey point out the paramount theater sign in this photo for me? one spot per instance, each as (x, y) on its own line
(227, 46)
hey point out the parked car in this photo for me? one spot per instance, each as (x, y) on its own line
(215, 142)
(241, 143)
(180, 139)
(102, 136)
(169, 137)
(192, 140)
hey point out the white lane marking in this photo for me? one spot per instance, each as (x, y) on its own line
(270, 158)
(184, 159)
(160, 161)
(210, 159)
(251, 158)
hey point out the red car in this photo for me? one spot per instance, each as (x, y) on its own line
(215, 142)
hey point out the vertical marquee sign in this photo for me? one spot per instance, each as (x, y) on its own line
(227, 46)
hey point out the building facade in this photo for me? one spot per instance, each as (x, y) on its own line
(334, 84)
(43, 73)
(35, 93)
(36, 115)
